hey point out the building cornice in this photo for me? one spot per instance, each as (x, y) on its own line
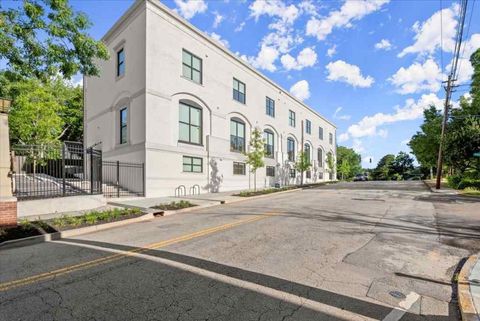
(211, 41)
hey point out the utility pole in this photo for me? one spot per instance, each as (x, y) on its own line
(448, 89)
(446, 107)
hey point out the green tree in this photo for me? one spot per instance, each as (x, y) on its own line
(383, 171)
(302, 164)
(44, 113)
(330, 163)
(402, 165)
(348, 162)
(255, 154)
(41, 38)
(425, 143)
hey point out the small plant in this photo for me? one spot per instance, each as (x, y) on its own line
(174, 205)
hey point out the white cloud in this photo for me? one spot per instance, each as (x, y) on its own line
(285, 15)
(368, 125)
(384, 44)
(358, 146)
(306, 58)
(465, 68)
(218, 19)
(350, 74)
(282, 42)
(308, 7)
(417, 78)
(336, 115)
(349, 12)
(428, 35)
(301, 90)
(265, 59)
(189, 8)
(218, 38)
(240, 27)
(331, 51)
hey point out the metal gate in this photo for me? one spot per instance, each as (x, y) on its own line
(121, 179)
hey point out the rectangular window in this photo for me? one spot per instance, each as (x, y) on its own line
(308, 126)
(320, 157)
(192, 164)
(320, 133)
(270, 107)
(123, 125)
(239, 91)
(293, 174)
(308, 174)
(120, 62)
(237, 136)
(330, 138)
(291, 149)
(190, 124)
(191, 67)
(291, 118)
(269, 144)
(238, 168)
(271, 171)
(320, 175)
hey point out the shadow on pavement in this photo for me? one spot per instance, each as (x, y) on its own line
(243, 304)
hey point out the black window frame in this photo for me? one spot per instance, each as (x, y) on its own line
(320, 157)
(308, 174)
(291, 153)
(291, 120)
(237, 121)
(191, 164)
(270, 171)
(293, 173)
(268, 147)
(330, 138)
(308, 126)
(190, 126)
(192, 68)
(237, 165)
(320, 132)
(237, 94)
(270, 107)
(309, 154)
(123, 126)
(120, 62)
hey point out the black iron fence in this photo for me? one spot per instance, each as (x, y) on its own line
(122, 179)
(45, 171)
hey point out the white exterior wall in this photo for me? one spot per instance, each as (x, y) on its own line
(158, 104)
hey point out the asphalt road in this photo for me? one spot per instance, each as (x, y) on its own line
(354, 251)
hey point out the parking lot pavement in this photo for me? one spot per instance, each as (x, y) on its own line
(349, 251)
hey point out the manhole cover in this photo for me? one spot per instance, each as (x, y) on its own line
(397, 294)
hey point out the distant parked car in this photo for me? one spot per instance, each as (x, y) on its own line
(360, 178)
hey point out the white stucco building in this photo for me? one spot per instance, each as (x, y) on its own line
(181, 103)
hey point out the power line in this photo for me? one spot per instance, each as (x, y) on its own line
(441, 34)
(467, 34)
(450, 85)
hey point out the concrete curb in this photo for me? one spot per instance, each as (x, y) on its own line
(465, 300)
(73, 232)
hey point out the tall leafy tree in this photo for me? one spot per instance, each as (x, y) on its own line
(348, 162)
(425, 143)
(402, 165)
(302, 164)
(256, 154)
(383, 171)
(330, 163)
(43, 38)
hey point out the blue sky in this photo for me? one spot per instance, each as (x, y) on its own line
(369, 66)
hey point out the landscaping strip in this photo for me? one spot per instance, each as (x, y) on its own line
(172, 206)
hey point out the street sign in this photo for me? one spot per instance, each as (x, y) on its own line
(477, 154)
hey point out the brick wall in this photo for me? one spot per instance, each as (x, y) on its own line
(8, 213)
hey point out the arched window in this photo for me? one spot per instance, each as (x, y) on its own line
(237, 135)
(320, 157)
(190, 124)
(307, 152)
(269, 143)
(291, 149)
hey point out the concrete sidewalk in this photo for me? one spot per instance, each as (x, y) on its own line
(474, 280)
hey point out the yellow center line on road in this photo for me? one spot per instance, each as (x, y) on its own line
(85, 265)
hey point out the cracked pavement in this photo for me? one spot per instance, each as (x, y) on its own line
(330, 253)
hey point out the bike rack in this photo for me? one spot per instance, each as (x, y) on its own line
(195, 189)
(179, 189)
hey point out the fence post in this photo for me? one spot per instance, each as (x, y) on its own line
(118, 178)
(91, 170)
(100, 167)
(63, 170)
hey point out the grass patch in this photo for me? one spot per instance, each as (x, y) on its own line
(471, 191)
(174, 205)
(65, 222)
(264, 191)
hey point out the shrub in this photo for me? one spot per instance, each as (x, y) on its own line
(469, 182)
(454, 181)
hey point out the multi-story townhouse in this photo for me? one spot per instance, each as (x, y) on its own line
(184, 105)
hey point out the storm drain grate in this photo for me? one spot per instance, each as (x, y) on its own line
(397, 294)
